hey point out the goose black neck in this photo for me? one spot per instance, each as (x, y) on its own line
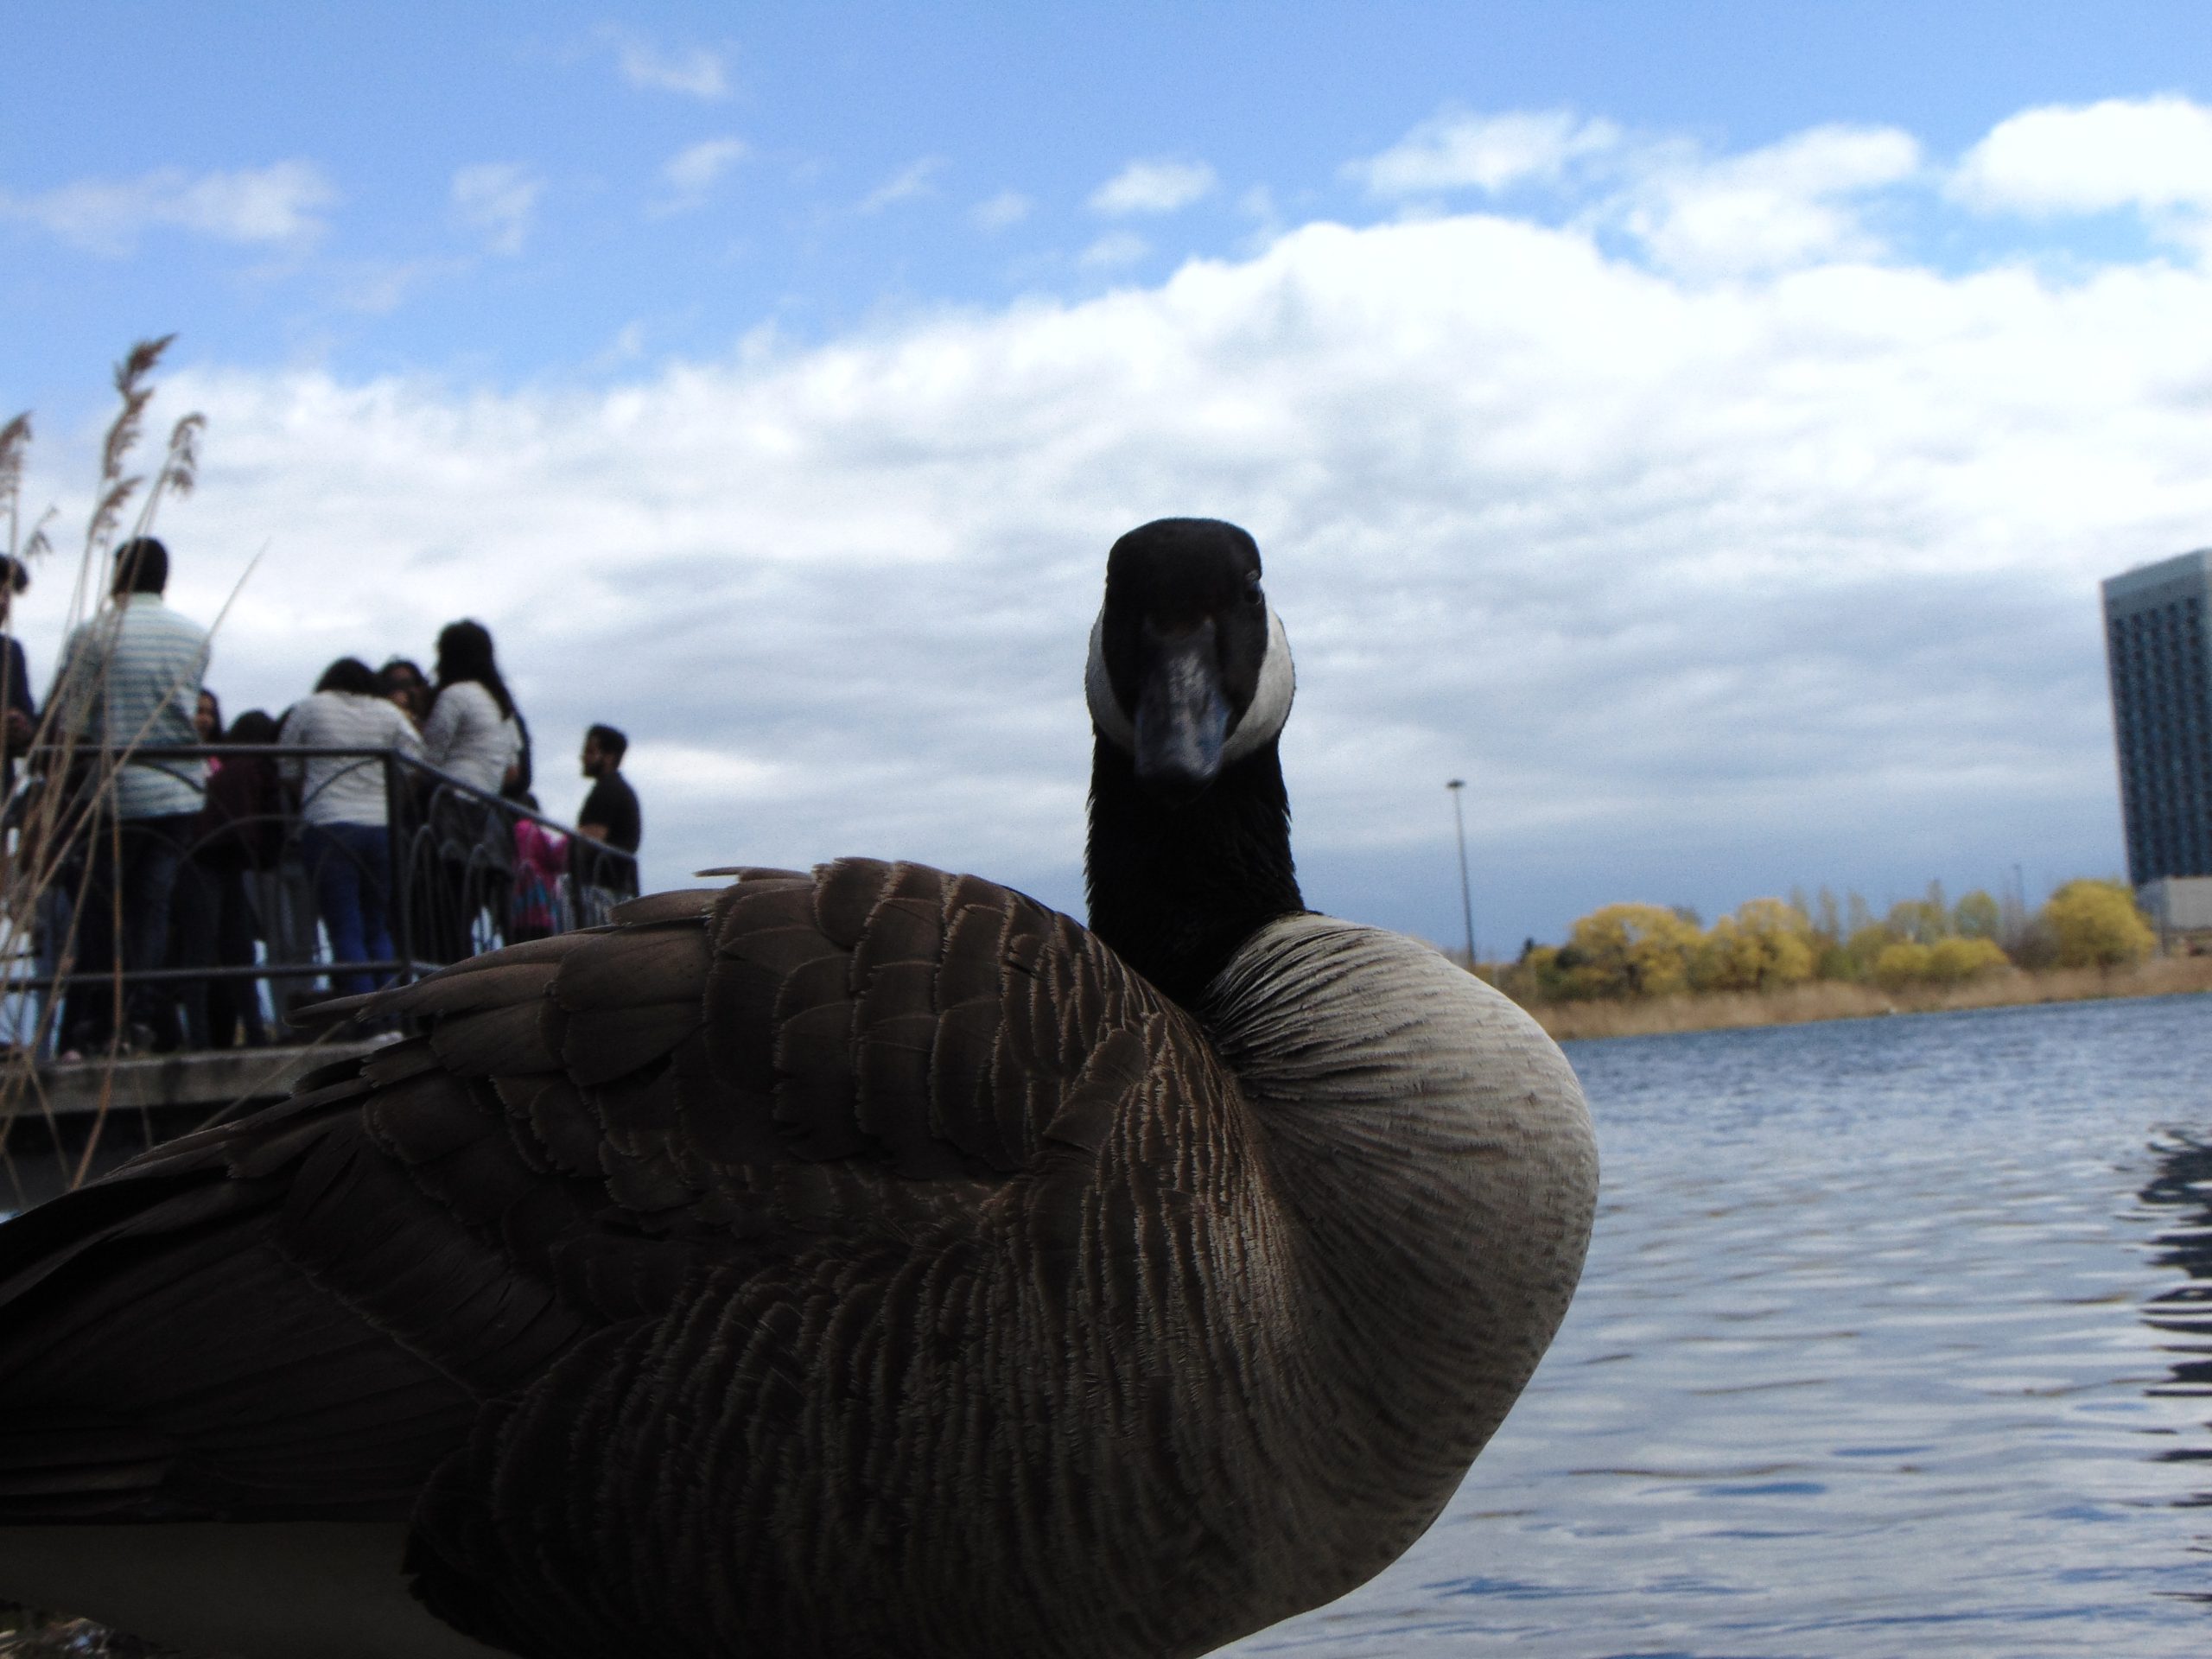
(1177, 890)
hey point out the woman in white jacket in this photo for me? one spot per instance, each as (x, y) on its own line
(345, 811)
(472, 733)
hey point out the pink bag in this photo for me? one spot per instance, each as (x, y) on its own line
(541, 859)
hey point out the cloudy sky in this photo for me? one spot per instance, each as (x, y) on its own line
(1702, 427)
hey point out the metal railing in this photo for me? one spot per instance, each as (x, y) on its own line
(270, 902)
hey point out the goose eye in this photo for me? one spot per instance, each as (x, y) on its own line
(1253, 596)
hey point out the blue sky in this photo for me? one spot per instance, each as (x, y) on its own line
(1700, 424)
(871, 135)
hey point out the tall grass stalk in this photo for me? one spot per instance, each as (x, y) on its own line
(55, 817)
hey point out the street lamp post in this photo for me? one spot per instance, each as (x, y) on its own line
(1466, 899)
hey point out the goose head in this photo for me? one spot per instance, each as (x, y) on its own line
(1190, 670)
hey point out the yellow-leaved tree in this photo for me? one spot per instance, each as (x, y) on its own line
(2096, 924)
(1948, 961)
(1627, 950)
(1766, 944)
(1902, 963)
(1953, 962)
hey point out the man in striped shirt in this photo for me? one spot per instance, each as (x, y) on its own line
(129, 685)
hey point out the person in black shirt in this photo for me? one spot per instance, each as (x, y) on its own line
(610, 811)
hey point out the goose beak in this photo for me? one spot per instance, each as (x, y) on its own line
(1182, 714)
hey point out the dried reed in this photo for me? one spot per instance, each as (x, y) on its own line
(75, 774)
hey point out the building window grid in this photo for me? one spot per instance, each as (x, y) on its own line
(2158, 682)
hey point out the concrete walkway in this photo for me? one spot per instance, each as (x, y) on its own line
(149, 1101)
(211, 1078)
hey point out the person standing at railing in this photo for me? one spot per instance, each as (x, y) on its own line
(18, 714)
(212, 913)
(471, 730)
(471, 733)
(609, 814)
(241, 834)
(195, 903)
(46, 918)
(283, 898)
(128, 688)
(401, 681)
(346, 812)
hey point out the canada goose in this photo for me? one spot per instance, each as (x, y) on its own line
(865, 1262)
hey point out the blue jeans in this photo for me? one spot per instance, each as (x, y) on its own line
(350, 865)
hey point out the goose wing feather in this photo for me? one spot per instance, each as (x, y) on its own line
(305, 1310)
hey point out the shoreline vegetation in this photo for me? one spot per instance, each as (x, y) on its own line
(1805, 1004)
(1636, 969)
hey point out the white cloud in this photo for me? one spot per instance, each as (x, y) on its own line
(1786, 205)
(694, 71)
(497, 201)
(1153, 186)
(996, 212)
(1792, 202)
(1456, 151)
(917, 178)
(1709, 588)
(1113, 251)
(2154, 153)
(689, 175)
(280, 204)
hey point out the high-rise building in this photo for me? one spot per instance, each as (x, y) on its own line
(2158, 649)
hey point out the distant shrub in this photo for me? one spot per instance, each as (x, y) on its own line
(1764, 945)
(1534, 978)
(1950, 960)
(1625, 951)
(2034, 946)
(1863, 949)
(2095, 924)
(1902, 964)
(1638, 952)
(1955, 961)
(1834, 961)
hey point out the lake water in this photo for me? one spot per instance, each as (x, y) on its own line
(1896, 1338)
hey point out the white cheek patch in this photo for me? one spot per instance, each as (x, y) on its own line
(1263, 721)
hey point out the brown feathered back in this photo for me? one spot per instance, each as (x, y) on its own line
(846, 1263)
